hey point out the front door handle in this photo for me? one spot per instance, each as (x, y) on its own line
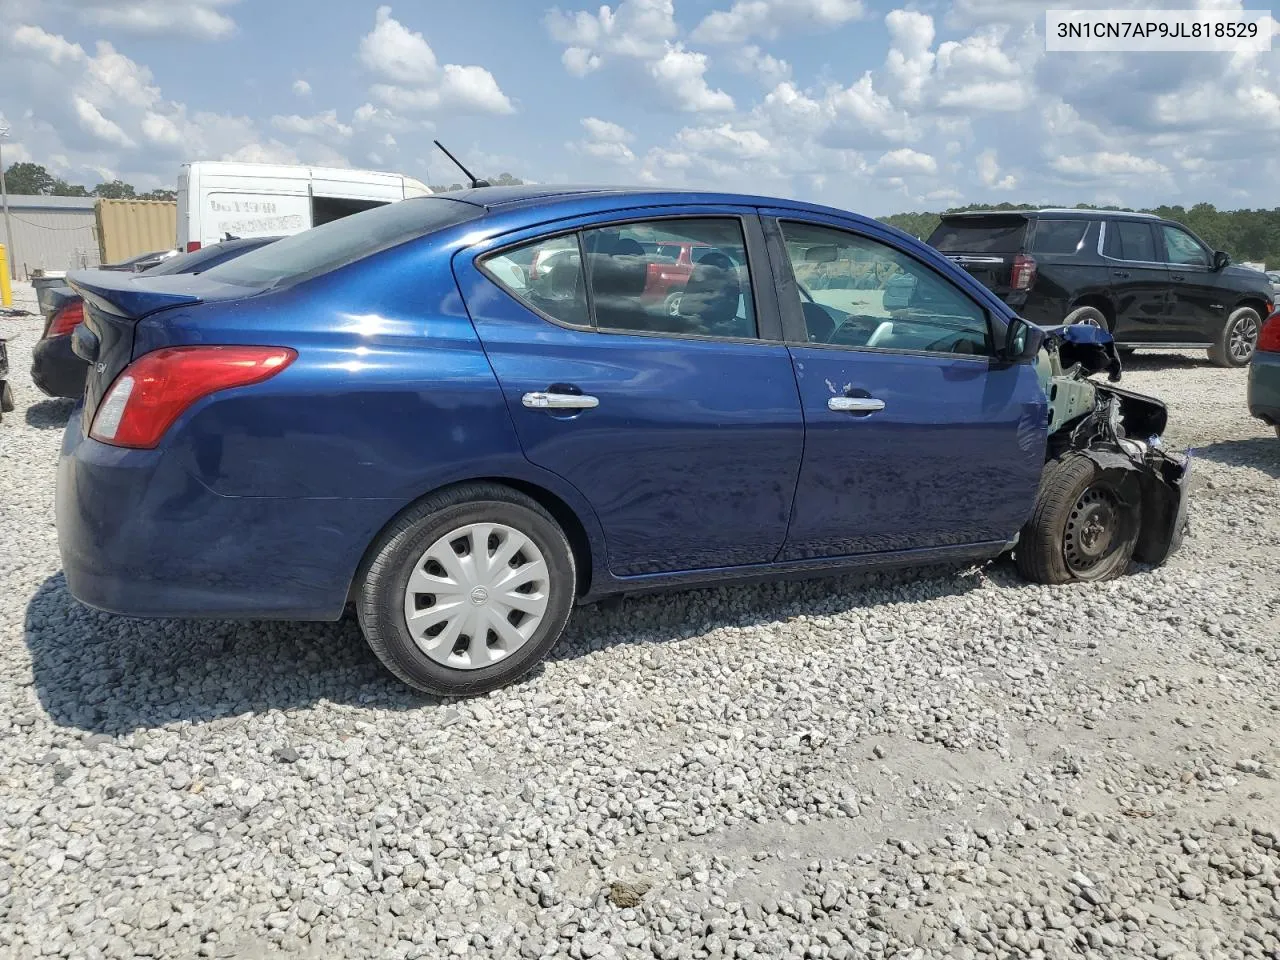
(1122, 274)
(855, 404)
(1178, 276)
(541, 400)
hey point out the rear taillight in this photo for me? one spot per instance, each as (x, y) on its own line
(193, 246)
(153, 391)
(1269, 337)
(66, 319)
(1024, 272)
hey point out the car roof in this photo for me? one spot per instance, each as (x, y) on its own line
(597, 197)
(1070, 212)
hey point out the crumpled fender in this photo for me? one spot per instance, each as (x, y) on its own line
(1159, 484)
(1091, 347)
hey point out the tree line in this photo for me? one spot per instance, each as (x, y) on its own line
(1247, 235)
(31, 179)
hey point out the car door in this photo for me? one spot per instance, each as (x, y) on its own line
(917, 436)
(1139, 281)
(681, 428)
(1197, 308)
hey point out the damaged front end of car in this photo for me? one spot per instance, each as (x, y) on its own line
(1118, 430)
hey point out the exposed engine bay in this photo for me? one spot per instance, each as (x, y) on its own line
(1119, 430)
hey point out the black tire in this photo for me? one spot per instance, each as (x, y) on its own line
(6, 397)
(1052, 547)
(385, 577)
(1240, 330)
(1090, 315)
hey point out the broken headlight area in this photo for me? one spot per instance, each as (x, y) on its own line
(1119, 430)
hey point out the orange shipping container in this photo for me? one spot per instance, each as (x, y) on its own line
(127, 228)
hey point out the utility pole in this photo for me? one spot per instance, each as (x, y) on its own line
(4, 202)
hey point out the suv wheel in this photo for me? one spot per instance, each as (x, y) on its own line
(468, 591)
(1235, 344)
(1090, 316)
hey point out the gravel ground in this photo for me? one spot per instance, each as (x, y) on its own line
(953, 766)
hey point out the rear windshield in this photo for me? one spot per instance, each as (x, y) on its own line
(1059, 236)
(340, 242)
(980, 235)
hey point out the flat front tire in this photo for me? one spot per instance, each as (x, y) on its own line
(468, 590)
(1081, 529)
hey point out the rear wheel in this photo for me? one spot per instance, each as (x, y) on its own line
(1238, 339)
(1089, 316)
(468, 591)
(1081, 527)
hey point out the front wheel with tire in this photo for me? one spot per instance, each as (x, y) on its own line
(468, 590)
(1238, 339)
(1082, 527)
(1089, 316)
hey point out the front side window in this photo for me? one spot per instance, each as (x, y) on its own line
(859, 292)
(1130, 240)
(545, 275)
(1182, 248)
(641, 282)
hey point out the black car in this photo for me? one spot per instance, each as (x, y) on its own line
(1149, 281)
(6, 391)
(55, 369)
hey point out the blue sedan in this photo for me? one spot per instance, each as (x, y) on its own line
(464, 414)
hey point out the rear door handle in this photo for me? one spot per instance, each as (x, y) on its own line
(855, 404)
(541, 400)
(1179, 276)
(1122, 274)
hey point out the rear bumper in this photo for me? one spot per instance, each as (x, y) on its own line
(139, 536)
(56, 370)
(1264, 387)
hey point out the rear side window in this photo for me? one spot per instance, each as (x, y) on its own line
(1130, 240)
(1059, 236)
(546, 275)
(333, 245)
(632, 281)
(999, 235)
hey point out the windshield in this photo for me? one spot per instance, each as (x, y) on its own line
(979, 235)
(335, 244)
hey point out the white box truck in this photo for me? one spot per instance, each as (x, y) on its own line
(217, 200)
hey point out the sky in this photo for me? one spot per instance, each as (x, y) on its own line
(870, 106)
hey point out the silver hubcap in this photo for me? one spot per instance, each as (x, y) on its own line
(1244, 336)
(476, 595)
(1089, 322)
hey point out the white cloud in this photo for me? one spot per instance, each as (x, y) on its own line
(768, 18)
(580, 61)
(301, 88)
(680, 75)
(273, 151)
(605, 140)
(989, 172)
(906, 162)
(92, 120)
(724, 138)
(765, 67)
(910, 58)
(1107, 166)
(605, 131)
(193, 18)
(413, 80)
(320, 125)
(634, 28)
(53, 48)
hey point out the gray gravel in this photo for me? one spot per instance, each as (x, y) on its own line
(957, 766)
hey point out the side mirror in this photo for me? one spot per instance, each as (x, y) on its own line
(1022, 340)
(1220, 260)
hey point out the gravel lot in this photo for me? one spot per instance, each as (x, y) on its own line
(955, 766)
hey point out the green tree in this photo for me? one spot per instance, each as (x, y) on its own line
(29, 179)
(159, 194)
(63, 189)
(115, 190)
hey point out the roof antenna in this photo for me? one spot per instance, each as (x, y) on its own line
(470, 176)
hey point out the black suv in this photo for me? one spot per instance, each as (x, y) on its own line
(1151, 282)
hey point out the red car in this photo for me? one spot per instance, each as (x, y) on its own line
(668, 274)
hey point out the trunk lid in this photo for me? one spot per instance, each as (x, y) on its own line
(984, 245)
(114, 303)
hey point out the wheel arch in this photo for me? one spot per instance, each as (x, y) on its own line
(584, 536)
(1100, 302)
(1256, 301)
